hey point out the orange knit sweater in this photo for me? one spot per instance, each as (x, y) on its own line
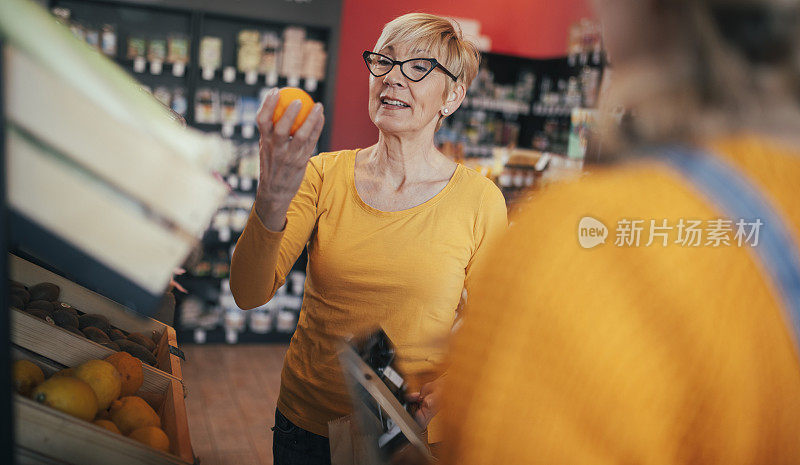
(623, 354)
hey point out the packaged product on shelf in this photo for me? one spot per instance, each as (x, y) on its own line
(157, 50)
(590, 83)
(248, 55)
(163, 95)
(179, 102)
(206, 108)
(292, 55)
(270, 56)
(177, 49)
(248, 167)
(286, 321)
(178, 53)
(108, 40)
(62, 14)
(156, 54)
(248, 112)
(229, 106)
(583, 123)
(210, 56)
(260, 321)
(137, 47)
(314, 63)
(92, 37)
(78, 30)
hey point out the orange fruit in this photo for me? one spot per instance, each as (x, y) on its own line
(152, 436)
(130, 368)
(131, 413)
(286, 96)
(107, 425)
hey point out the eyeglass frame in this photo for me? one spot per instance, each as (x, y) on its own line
(432, 61)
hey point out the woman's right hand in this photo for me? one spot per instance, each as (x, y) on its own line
(283, 158)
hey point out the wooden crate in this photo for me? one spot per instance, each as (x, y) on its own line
(44, 435)
(49, 340)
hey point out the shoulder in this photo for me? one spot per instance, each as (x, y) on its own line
(326, 162)
(479, 188)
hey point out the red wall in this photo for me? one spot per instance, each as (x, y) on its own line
(530, 28)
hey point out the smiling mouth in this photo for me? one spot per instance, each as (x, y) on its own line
(394, 103)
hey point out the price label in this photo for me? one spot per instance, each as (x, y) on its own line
(208, 74)
(251, 77)
(156, 67)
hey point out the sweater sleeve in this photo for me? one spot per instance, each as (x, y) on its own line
(262, 257)
(491, 222)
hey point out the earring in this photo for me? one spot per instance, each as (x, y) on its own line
(446, 111)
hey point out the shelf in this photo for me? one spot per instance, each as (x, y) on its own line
(217, 336)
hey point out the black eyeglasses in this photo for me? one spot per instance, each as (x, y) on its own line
(414, 69)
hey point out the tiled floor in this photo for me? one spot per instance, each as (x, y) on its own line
(230, 402)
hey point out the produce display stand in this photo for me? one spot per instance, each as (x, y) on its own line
(35, 334)
(45, 435)
(106, 195)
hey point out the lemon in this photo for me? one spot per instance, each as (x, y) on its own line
(26, 376)
(69, 395)
(104, 379)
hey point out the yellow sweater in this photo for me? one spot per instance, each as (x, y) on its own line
(402, 270)
(646, 355)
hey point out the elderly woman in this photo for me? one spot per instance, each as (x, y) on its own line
(682, 347)
(393, 230)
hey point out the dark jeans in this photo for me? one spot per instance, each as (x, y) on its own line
(292, 445)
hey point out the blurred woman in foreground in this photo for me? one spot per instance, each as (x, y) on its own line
(674, 340)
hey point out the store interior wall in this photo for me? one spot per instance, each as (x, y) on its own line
(527, 28)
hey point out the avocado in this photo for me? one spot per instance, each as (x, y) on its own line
(75, 330)
(64, 318)
(95, 320)
(45, 291)
(137, 351)
(142, 340)
(16, 302)
(65, 306)
(95, 334)
(111, 345)
(21, 293)
(38, 313)
(115, 334)
(41, 305)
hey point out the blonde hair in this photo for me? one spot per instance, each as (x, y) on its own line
(439, 36)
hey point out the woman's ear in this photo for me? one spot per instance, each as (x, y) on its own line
(455, 96)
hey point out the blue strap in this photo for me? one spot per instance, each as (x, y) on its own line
(738, 198)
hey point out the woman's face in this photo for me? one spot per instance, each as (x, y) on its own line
(420, 102)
